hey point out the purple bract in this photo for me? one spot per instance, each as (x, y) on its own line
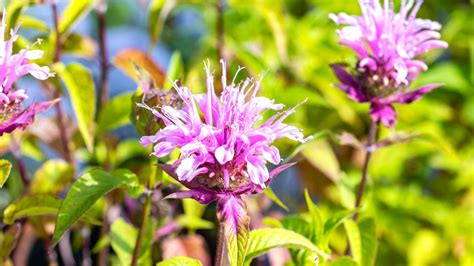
(224, 145)
(12, 67)
(388, 45)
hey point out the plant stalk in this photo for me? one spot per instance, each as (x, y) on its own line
(141, 233)
(368, 154)
(104, 65)
(220, 29)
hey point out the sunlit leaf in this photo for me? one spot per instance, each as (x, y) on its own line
(52, 177)
(262, 240)
(80, 45)
(343, 261)
(116, 113)
(81, 87)
(85, 192)
(122, 239)
(73, 13)
(320, 154)
(175, 69)
(316, 219)
(363, 240)
(5, 168)
(193, 222)
(157, 13)
(31, 205)
(179, 261)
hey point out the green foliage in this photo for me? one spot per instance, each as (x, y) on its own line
(262, 240)
(5, 168)
(8, 240)
(179, 261)
(52, 177)
(122, 239)
(79, 83)
(73, 13)
(32, 205)
(115, 114)
(84, 192)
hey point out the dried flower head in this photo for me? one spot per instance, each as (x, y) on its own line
(388, 45)
(224, 146)
(12, 67)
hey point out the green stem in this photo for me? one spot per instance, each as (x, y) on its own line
(141, 233)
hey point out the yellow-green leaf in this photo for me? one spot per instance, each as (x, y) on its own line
(5, 168)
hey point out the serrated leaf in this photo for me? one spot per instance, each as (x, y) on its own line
(81, 87)
(269, 192)
(262, 240)
(316, 219)
(52, 177)
(73, 13)
(122, 239)
(85, 191)
(127, 60)
(116, 113)
(31, 205)
(179, 261)
(5, 168)
(8, 240)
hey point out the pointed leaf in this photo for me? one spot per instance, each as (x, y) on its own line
(122, 239)
(316, 219)
(175, 69)
(157, 13)
(73, 13)
(85, 192)
(369, 241)
(262, 240)
(353, 235)
(335, 220)
(5, 168)
(269, 192)
(179, 261)
(79, 83)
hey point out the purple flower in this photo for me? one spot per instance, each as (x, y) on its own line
(224, 145)
(12, 67)
(388, 45)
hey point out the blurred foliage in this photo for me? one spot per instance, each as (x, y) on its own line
(419, 205)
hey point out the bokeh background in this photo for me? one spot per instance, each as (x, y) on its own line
(421, 193)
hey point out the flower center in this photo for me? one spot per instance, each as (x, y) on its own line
(7, 110)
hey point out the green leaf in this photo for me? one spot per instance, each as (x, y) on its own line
(343, 261)
(33, 23)
(102, 243)
(81, 87)
(179, 261)
(122, 238)
(262, 240)
(52, 177)
(175, 69)
(369, 241)
(85, 192)
(31, 205)
(194, 222)
(363, 240)
(5, 168)
(73, 13)
(157, 13)
(298, 224)
(8, 241)
(116, 113)
(334, 221)
(80, 45)
(269, 192)
(320, 154)
(316, 219)
(353, 235)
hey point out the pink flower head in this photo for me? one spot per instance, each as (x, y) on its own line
(12, 67)
(224, 144)
(388, 45)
